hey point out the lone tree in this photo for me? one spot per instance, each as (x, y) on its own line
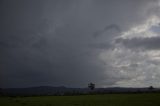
(91, 86)
(0, 91)
(151, 88)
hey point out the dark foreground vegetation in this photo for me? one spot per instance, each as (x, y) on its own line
(142, 99)
(59, 91)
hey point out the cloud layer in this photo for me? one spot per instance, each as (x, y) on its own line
(72, 43)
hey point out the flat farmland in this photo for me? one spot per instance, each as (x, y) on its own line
(149, 99)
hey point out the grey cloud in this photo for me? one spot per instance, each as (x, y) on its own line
(150, 43)
(113, 26)
(108, 27)
(101, 45)
(44, 42)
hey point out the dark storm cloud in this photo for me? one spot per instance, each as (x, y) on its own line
(149, 43)
(35, 56)
(101, 45)
(109, 27)
(51, 42)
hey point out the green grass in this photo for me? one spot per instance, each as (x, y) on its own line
(85, 100)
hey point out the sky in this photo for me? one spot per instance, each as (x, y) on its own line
(112, 43)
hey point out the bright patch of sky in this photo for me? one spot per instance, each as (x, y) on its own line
(148, 29)
(135, 68)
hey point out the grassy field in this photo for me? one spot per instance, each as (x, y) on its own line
(84, 100)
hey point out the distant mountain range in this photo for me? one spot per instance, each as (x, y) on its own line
(49, 90)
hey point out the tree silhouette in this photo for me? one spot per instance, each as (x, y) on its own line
(0, 91)
(151, 88)
(91, 86)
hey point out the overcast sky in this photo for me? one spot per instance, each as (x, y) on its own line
(73, 42)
